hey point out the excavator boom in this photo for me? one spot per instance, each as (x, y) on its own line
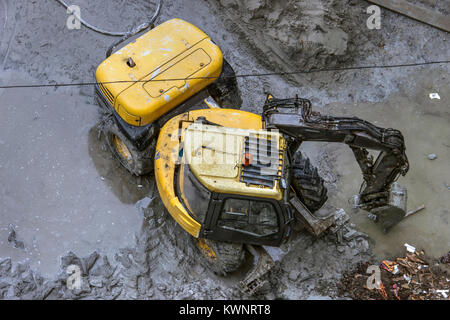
(296, 120)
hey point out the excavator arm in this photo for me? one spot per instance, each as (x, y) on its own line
(378, 194)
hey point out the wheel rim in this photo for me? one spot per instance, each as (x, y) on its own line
(206, 250)
(122, 149)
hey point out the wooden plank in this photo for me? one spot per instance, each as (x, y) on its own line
(416, 12)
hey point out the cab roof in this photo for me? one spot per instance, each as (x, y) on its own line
(235, 161)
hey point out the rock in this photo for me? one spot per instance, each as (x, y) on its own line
(70, 259)
(89, 262)
(5, 266)
(350, 235)
(341, 218)
(96, 282)
(365, 245)
(161, 287)
(293, 275)
(143, 206)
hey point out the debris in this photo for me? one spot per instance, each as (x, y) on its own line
(446, 258)
(293, 275)
(12, 238)
(443, 292)
(411, 212)
(388, 265)
(435, 95)
(350, 235)
(383, 291)
(432, 156)
(396, 288)
(410, 248)
(407, 278)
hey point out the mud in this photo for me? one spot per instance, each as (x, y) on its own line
(62, 191)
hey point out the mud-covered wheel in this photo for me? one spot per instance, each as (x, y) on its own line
(225, 90)
(220, 257)
(138, 162)
(307, 183)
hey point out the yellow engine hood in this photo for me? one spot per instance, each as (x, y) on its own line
(173, 50)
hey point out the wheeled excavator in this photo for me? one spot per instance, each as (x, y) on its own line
(232, 179)
(235, 180)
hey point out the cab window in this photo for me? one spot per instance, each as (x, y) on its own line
(249, 216)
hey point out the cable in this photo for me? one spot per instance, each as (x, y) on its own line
(109, 33)
(235, 76)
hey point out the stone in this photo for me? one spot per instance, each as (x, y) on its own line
(96, 282)
(293, 275)
(350, 235)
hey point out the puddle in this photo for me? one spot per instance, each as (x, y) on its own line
(425, 126)
(58, 187)
(128, 188)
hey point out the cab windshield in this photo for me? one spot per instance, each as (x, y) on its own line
(194, 195)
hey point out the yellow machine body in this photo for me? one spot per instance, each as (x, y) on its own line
(159, 70)
(214, 154)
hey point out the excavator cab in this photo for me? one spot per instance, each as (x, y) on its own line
(233, 182)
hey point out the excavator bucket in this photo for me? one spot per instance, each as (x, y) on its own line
(392, 213)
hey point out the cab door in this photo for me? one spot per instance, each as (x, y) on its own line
(243, 219)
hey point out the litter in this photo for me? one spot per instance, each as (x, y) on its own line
(435, 95)
(410, 248)
(383, 291)
(443, 292)
(413, 277)
(390, 266)
(411, 212)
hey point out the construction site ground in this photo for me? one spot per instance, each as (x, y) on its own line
(65, 200)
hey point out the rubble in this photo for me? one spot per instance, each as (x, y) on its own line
(413, 277)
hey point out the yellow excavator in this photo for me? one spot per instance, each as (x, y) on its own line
(232, 179)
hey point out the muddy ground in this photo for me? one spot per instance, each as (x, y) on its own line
(62, 192)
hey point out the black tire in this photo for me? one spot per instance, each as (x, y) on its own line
(139, 162)
(225, 90)
(307, 183)
(228, 257)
